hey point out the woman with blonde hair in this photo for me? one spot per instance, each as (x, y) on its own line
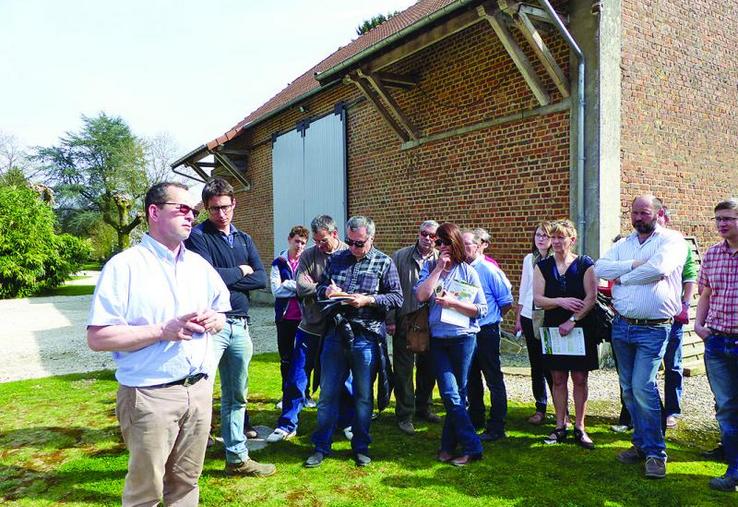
(565, 286)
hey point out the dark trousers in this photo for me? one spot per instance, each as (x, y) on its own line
(539, 376)
(411, 400)
(486, 361)
(286, 331)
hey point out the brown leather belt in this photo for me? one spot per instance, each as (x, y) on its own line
(646, 322)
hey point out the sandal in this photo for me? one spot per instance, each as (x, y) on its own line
(579, 436)
(537, 418)
(558, 436)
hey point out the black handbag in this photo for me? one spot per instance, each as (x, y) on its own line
(604, 314)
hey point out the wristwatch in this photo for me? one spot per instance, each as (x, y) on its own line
(573, 319)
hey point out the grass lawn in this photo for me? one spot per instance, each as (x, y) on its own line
(59, 443)
(70, 290)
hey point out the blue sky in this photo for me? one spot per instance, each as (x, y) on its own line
(189, 68)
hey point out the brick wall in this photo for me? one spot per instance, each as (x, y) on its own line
(679, 124)
(505, 178)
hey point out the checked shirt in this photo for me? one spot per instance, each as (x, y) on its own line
(373, 275)
(719, 272)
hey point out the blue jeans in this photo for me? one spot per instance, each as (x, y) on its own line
(673, 371)
(296, 384)
(452, 359)
(721, 362)
(486, 362)
(334, 370)
(232, 351)
(639, 350)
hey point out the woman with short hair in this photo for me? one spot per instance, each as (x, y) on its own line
(565, 286)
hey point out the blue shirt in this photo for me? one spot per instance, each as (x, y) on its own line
(465, 273)
(496, 290)
(147, 284)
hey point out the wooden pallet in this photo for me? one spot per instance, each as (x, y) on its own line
(693, 348)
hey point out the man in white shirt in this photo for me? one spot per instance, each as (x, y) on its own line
(156, 308)
(646, 267)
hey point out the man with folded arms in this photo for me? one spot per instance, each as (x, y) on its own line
(717, 324)
(369, 279)
(156, 307)
(412, 402)
(646, 268)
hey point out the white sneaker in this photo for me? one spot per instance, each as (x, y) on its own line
(279, 434)
(278, 405)
(348, 433)
(620, 428)
(310, 403)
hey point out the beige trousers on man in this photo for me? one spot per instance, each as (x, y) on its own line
(166, 432)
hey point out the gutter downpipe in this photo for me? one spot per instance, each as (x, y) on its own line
(581, 222)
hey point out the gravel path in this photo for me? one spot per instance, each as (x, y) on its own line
(46, 336)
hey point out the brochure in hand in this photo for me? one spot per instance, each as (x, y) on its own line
(570, 345)
(464, 292)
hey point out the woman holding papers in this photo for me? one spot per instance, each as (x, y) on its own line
(456, 302)
(565, 286)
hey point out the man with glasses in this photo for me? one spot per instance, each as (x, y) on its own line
(312, 326)
(646, 268)
(234, 256)
(367, 281)
(409, 261)
(155, 307)
(717, 324)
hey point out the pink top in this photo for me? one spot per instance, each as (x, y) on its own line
(293, 307)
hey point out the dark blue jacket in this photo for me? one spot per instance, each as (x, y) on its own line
(285, 273)
(214, 247)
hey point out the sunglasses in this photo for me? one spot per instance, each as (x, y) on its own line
(427, 234)
(357, 244)
(443, 242)
(181, 208)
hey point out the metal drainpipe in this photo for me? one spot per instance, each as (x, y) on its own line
(580, 117)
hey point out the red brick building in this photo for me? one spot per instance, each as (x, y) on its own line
(467, 111)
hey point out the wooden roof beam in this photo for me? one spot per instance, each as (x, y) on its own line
(372, 97)
(230, 166)
(404, 81)
(521, 61)
(525, 25)
(394, 108)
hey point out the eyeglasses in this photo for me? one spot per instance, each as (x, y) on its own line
(725, 219)
(357, 244)
(185, 209)
(426, 234)
(542, 236)
(444, 242)
(220, 209)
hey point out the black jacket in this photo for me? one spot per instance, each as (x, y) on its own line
(213, 246)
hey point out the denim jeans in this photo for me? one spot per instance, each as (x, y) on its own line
(334, 370)
(486, 362)
(639, 350)
(721, 362)
(232, 351)
(452, 359)
(539, 376)
(296, 386)
(673, 371)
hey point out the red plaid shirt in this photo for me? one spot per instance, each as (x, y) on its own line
(719, 271)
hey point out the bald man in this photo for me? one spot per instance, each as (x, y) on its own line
(646, 268)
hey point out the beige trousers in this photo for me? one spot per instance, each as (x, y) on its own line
(166, 432)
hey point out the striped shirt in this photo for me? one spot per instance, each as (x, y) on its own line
(652, 290)
(719, 272)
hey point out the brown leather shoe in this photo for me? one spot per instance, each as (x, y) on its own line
(537, 418)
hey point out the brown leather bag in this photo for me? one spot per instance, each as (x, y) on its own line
(417, 330)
